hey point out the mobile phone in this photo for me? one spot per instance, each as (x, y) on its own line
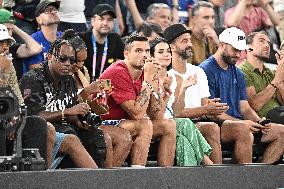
(107, 84)
(264, 122)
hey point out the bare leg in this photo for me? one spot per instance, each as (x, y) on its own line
(211, 132)
(141, 131)
(121, 143)
(238, 133)
(72, 146)
(109, 151)
(166, 130)
(276, 147)
(50, 142)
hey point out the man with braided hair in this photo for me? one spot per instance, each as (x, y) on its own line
(51, 93)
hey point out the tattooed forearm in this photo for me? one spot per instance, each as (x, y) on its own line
(143, 98)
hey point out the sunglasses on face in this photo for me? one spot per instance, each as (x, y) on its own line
(64, 59)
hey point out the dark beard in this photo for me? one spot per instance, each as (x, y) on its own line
(184, 55)
(228, 60)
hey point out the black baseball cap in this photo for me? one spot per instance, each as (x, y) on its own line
(174, 31)
(44, 4)
(103, 9)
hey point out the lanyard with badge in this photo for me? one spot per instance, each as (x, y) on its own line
(95, 56)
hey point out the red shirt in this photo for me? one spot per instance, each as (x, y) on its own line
(124, 89)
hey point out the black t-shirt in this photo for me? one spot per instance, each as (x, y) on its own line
(90, 5)
(40, 95)
(142, 5)
(114, 52)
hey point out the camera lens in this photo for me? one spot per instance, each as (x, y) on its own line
(4, 106)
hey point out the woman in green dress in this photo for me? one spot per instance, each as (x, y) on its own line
(191, 146)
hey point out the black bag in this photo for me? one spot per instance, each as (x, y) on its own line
(94, 142)
(276, 115)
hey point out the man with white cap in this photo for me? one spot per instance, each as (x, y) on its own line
(227, 82)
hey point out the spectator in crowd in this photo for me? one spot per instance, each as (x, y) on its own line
(265, 89)
(191, 147)
(158, 13)
(132, 98)
(227, 82)
(119, 24)
(150, 30)
(48, 20)
(197, 105)
(103, 46)
(278, 6)
(71, 14)
(19, 51)
(250, 15)
(184, 8)
(204, 39)
(51, 93)
(24, 12)
(120, 143)
(48, 142)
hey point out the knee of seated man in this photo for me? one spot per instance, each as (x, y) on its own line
(242, 130)
(212, 128)
(72, 141)
(169, 127)
(145, 127)
(278, 130)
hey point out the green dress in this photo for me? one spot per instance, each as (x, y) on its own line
(190, 144)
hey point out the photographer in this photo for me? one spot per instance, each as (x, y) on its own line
(51, 93)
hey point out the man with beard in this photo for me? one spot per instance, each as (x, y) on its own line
(48, 20)
(195, 105)
(103, 47)
(265, 89)
(131, 102)
(227, 82)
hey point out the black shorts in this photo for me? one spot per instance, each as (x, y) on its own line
(207, 119)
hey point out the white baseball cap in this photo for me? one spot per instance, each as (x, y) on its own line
(4, 35)
(235, 37)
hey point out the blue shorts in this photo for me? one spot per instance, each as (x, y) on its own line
(59, 137)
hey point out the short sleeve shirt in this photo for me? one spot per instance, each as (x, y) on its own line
(40, 95)
(124, 89)
(228, 85)
(193, 94)
(45, 44)
(260, 81)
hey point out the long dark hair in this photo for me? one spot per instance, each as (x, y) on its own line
(154, 43)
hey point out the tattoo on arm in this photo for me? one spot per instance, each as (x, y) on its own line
(142, 98)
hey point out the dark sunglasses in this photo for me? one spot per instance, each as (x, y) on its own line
(63, 59)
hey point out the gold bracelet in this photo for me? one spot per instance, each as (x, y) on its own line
(62, 114)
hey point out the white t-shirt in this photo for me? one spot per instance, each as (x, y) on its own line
(72, 11)
(193, 94)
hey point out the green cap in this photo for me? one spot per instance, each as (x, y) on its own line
(6, 17)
